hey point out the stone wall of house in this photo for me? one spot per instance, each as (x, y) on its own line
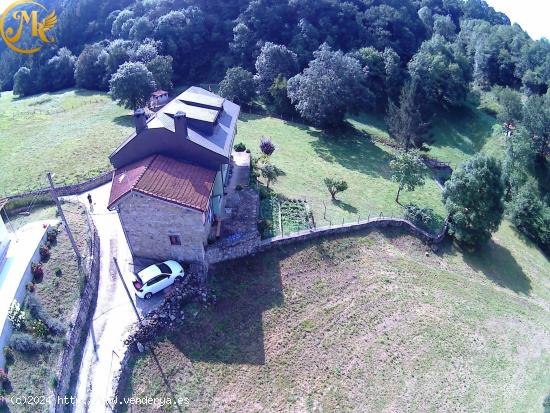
(148, 223)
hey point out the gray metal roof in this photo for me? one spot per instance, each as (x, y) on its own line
(160, 136)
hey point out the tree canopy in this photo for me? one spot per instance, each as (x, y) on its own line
(132, 85)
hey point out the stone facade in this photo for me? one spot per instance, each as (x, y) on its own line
(149, 223)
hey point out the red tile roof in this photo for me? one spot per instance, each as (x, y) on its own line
(165, 178)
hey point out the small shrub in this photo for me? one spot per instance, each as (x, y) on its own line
(239, 147)
(25, 343)
(247, 151)
(52, 235)
(36, 310)
(37, 272)
(4, 379)
(3, 402)
(239, 188)
(45, 253)
(8, 355)
(265, 226)
(267, 146)
(423, 217)
(30, 287)
(16, 315)
(335, 186)
(58, 271)
(37, 328)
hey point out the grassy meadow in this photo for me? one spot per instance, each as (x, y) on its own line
(370, 322)
(70, 133)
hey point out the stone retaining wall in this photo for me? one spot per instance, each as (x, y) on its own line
(69, 364)
(251, 245)
(66, 190)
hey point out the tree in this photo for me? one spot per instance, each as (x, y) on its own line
(536, 117)
(90, 70)
(238, 86)
(441, 74)
(132, 85)
(409, 171)
(61, 69)
(529, 214)
(405, 121)
(473, 198)
(511, 108)
(335, 186)
(120, 20)
(274, 60)
(270, 173)
(280, 102)
(141, 29)
(327, 88)
(161, 68)
(267, 146)
(518, 162)
(23, 83)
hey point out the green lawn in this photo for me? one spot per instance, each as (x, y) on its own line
(307, 156)
(363, 323)
(70, 133)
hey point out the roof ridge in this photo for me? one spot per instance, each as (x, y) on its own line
(153, 158)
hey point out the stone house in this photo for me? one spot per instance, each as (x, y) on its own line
(170, 175)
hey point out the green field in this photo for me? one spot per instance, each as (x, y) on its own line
(70, 133)
(307, 156)
(364, 323)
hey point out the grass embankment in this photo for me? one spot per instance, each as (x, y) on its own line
(364, 323)
(34, 374)
(70, 133)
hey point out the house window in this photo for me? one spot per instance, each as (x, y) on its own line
(175, 240)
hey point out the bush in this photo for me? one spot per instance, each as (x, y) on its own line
(8, 354)
(37, 272)
(45, 253)
(37, 328)
(4, 379)
(25, 343)
(239, 147)
(36, 310)
(52, 235)
(30, 287)
(239, 187)
(422, 217)
(58, 271)
(16, 315)
(266, 226)
(266, 146)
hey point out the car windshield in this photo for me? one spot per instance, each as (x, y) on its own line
(164, 269)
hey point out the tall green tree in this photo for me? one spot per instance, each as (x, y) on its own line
(274, 60)
(473, 198)
(405, 121)
(238, 86)
(330, 86)
(132, 85)
(409, 171)
(536, 117)
(23, 83)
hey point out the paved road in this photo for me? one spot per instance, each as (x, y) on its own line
(113, 315)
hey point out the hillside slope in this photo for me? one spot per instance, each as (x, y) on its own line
(365, 323)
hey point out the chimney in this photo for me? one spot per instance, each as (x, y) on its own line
(180, 124)
(140, 119)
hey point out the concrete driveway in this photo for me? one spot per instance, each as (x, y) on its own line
(113, 315)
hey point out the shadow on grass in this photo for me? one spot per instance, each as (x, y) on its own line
(124, 120)
(353, 149)
(231, 331)
(345, 206)
(499, 265)
(466, 129)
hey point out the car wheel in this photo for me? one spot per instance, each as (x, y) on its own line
(178, 280)
(148, 296)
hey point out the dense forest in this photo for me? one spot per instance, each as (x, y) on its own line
(317, 59)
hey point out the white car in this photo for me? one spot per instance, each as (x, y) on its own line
(157, 277)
